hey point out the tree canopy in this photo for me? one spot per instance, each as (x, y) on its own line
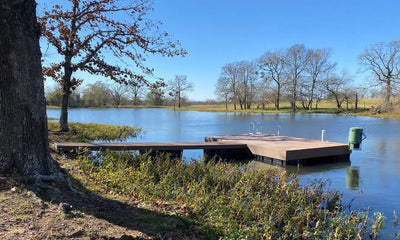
(111, 38)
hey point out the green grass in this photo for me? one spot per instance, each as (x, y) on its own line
(86, 132)
(324, 106)
(234, 201)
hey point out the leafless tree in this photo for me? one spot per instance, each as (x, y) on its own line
(240, 81)
(350, 95)
(223, 91)
(295, 61)
(272, 70)
(178, 87)
(318, 65)
(265, 94)
(230, 76)
(118, 92)
(248, 80)
(335, 86)
(383, 59)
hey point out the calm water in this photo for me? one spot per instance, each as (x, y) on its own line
(373, 176)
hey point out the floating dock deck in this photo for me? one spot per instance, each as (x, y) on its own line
(288, 150)
(267, 148)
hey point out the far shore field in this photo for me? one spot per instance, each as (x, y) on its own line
(366, 107)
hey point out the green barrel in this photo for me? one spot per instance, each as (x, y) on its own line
(355, 137)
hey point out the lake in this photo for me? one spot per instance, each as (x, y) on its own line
(372, 177)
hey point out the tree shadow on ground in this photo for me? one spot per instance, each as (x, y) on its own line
(124, 214)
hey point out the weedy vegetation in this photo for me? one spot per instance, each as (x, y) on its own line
(86, 132)
(232, 201)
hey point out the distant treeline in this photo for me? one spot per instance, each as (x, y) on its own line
(295, 75)
(100, 94)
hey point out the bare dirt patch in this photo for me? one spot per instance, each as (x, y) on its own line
(55, 211)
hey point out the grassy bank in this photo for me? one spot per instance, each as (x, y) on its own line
(366, 107)
(86, 132)
(324, 106)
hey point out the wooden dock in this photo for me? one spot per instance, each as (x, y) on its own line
(154, 146)
(288, 150)
(267, 148)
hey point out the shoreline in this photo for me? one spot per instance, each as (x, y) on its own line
(361, 112)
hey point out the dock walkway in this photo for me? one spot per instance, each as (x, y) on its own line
(155, 146)
(267, 148)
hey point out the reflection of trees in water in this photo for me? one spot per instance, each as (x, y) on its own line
(397, 148)
(382, 145)
(388, 146)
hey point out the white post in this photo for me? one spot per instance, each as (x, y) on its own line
(323, 135)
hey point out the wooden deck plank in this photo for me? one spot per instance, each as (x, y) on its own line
(285, 148)
(160, 146)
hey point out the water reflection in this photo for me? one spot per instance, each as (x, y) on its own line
(352, 173)
(319, 168)
(353, 178)
(382, 146)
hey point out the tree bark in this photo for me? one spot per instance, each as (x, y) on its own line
(278, 97)
(388, 93)
(24, 146)
(294, 96)
(356, 103)
(338, 103)
(226, 102)
(64, 113)
(66, 90)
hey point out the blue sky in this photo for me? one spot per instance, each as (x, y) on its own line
(217, 32)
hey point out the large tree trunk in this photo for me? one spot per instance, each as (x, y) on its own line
(24, 147)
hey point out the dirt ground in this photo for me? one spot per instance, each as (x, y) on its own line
(56, 211)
